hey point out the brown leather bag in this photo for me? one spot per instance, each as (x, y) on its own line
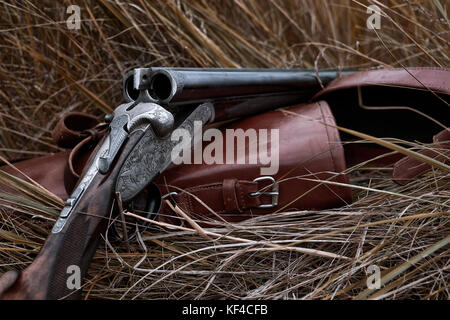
(309, 151)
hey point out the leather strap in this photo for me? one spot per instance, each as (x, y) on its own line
(80, 132)
(434, 79)
(409, 168)
(72, 128)
(229, 196)
(82, 151)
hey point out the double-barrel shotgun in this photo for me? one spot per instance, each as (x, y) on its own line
(137, 148)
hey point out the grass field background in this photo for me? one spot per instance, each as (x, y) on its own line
(47, 70)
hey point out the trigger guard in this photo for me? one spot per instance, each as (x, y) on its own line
(152, 196)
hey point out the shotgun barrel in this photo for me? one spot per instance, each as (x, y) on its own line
(234, 93)
(171, 86)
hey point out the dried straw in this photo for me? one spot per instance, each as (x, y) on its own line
(47, 70)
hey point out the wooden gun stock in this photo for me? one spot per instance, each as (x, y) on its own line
(47, 276)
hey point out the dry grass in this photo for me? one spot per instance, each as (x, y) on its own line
(47, 70)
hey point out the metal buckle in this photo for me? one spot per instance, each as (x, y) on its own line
(274, 193)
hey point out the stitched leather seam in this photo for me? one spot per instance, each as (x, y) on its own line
(328, 136)
(241, 196)
(204, 187)
(190, 198)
